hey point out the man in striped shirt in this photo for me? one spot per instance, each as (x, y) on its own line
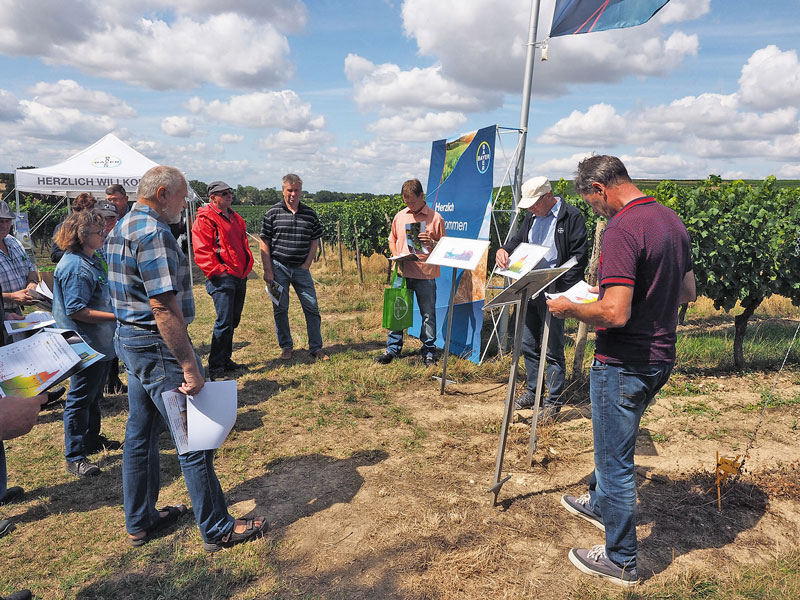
(290, 235)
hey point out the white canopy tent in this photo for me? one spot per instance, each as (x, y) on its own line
(109, 160)
(106, 162)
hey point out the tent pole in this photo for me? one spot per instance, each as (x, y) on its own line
(523, 140)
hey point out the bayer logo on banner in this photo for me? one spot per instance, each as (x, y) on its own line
(483, 157)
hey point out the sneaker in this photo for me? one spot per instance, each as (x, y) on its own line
(12, 494)
(20, 595)
(429, 360)
(216, 374)
(83, 468)
(101, 442)
(527, 400)
(6, 527)
(234, 366)
(594, 562)
(547, 413)
(385, 358)
(580, 508)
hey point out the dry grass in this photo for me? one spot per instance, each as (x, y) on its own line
(374, 484)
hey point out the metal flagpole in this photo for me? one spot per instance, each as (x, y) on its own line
(527, 86)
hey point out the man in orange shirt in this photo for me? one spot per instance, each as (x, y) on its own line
(420, 277)
(221, 251)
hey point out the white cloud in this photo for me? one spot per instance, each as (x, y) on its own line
(159, 55)
(414, 128)
(494, 60)
(9, 106)
(177, 126)
(202, 148)
(68, 93)
(62, 123)
(283, 141)
(598, 125)
(230, 138)
(36, 28)
(282, 109)
(388, 86)
(771, 79)
(678, 11)
(709, 125)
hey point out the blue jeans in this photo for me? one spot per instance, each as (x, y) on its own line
(228, 294)
(304, 287)
(619, 395)
(3, 472)
(531, 351)
(152, 370)
(82, 409)
(425, 296)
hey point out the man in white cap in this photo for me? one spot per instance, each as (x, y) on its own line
(554, 223)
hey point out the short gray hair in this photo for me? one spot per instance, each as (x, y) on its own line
(291, 179)
(604, 169)
(169, 177)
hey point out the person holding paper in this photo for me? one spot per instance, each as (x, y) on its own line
(645, 273)
(290, 234)
(551, 222)
(419, 276)
(18, 275)
(152, 299)
(81, 302)
(219, 236)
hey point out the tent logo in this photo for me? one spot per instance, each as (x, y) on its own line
(483, 157)
(106, 162)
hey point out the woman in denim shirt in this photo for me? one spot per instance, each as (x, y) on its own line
(81, 302)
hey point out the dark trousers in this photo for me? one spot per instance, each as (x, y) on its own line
(228, 294)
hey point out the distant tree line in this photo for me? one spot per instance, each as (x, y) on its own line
(248, 195)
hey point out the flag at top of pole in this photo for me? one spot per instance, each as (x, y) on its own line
(584, 16)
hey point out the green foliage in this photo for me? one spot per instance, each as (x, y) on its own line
(200, 188)
(371, 219)
(36, 210)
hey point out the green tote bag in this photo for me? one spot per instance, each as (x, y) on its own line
(398, 305)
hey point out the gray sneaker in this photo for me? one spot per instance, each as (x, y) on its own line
(594, 562)
(83, 467)
(527, 400)
(580, 508)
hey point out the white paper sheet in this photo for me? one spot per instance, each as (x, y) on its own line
(31, 322)
(578, 293)
(202, 421)
(524, 258)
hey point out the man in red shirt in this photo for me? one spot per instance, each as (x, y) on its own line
(221, 251)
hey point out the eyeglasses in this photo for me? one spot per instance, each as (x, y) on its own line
(98, 232)
(225, 193)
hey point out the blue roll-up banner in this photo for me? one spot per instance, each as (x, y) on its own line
(460, 189)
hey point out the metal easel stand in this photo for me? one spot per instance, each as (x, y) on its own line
(521, 292)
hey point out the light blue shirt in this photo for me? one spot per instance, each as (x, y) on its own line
(80, 282)
(543, 233)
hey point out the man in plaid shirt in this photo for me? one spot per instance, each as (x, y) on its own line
(17, 272)
(152, 298)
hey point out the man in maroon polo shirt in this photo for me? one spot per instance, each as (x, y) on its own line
(221, 251)
(645, 273)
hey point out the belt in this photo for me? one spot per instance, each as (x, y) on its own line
(144, 326)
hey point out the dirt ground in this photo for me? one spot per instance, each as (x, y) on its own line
(421, 524)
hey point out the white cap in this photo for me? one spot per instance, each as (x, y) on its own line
(532, 190)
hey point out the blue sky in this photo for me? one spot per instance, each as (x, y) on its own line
(350, 94)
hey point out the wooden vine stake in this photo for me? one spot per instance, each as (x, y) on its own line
(358, 254)
(725, 467)
(339, 242)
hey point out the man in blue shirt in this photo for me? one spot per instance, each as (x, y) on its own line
(551, 222)
(152, 300)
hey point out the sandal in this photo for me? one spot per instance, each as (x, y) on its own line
(232, 538)
(173, 514)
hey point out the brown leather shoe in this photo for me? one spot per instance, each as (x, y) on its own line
(286, 354)
(320, 355)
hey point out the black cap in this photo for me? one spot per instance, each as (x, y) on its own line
(218, 186)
